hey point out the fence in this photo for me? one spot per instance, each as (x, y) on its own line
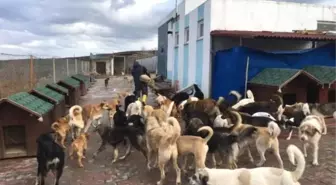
(24, 72)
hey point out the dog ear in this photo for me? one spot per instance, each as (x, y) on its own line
(315, 130)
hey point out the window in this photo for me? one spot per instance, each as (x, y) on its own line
(176, 38)
(200, 29)
(186, 35)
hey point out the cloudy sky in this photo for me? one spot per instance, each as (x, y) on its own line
(78, 27)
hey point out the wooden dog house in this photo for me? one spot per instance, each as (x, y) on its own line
(51, 96)
(60, 89)
(296, 85)
(74, 90)
(23, 117)
(84, 83)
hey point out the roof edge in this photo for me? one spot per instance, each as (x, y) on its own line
(20, 106)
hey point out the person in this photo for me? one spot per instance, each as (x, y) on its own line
(140, 88)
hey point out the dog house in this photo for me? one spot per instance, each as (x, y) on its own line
(60, 89)
(74, 89)
(84, 83)
(296, 85)
(326, 75)
(53, 97)
(23, 117)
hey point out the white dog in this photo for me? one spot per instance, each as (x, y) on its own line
(134, 108)
(76, 120)
(245, 101)
(310, 131)
(254, 176)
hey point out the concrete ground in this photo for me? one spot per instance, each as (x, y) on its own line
(133, 170)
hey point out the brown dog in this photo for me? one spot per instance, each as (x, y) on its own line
(161, 136)
(61, 127)
(79, 147)
(194, 145)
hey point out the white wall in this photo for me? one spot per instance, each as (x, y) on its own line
(261, 15)
(206, 49)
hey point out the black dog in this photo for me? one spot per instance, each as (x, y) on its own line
(178, 98)
(121, 132)
(119, 117)
(50, 156)
(128, 100)
(136, 121)
(106, 82)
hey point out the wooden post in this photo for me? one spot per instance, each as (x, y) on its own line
(67, 65)
(76, 70)
(31, 75)
(54, 70)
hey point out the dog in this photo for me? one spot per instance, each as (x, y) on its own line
(128, 131)
(128, 100)
(194, 145)
(181, 105)
(162, 133)
(134, 108)
(310, 131)
(106, 81)
(274, 106)
(168, 106)
(79, 146)
(76, 120)
(147, 111)
(254, 176)
(267, 137)
(61, 127)
(245, 101)
(263, 114)
(50, 156)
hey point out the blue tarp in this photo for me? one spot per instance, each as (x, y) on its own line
(229, 65)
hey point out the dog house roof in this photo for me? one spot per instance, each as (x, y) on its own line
(30, 103)
(51, 94)
(71, 82)
(325, 74)
(82, 78)
(58, 87)
(278, 77)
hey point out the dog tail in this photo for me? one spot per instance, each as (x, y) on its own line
(235, 118)
(249, 94)
(220, 100)
(75, 110)
(55, 126)
(237, 95)
(209, 129)
(295, 154)
(273, 129)
(176, 128)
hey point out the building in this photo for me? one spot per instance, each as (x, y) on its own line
(190, 37)
(150, 63)
(116, 63)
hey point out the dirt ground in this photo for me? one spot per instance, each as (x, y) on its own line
(133, 171)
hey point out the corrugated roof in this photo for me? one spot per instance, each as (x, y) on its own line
(325, 74)
(51, 94)
(71, 82)
(30, 103)
(58, 87)
(276, 35)
(278, 77)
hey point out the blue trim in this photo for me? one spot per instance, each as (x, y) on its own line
(185, 65)
(199, 62)
(176, 55)
(200, 11)
(186, 21)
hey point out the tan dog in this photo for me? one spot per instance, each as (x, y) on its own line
(161, 136)
(79, 146)
(76, 120)
(147, 111)
(194, 145)
(267, 137)
(168, 106)
(61, 127)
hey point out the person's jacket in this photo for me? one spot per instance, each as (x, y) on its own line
(137, 71)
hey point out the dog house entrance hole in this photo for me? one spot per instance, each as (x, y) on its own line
(332, 95)
(289, 98)
(15, 141)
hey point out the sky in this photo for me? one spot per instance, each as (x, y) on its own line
(61, 28)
